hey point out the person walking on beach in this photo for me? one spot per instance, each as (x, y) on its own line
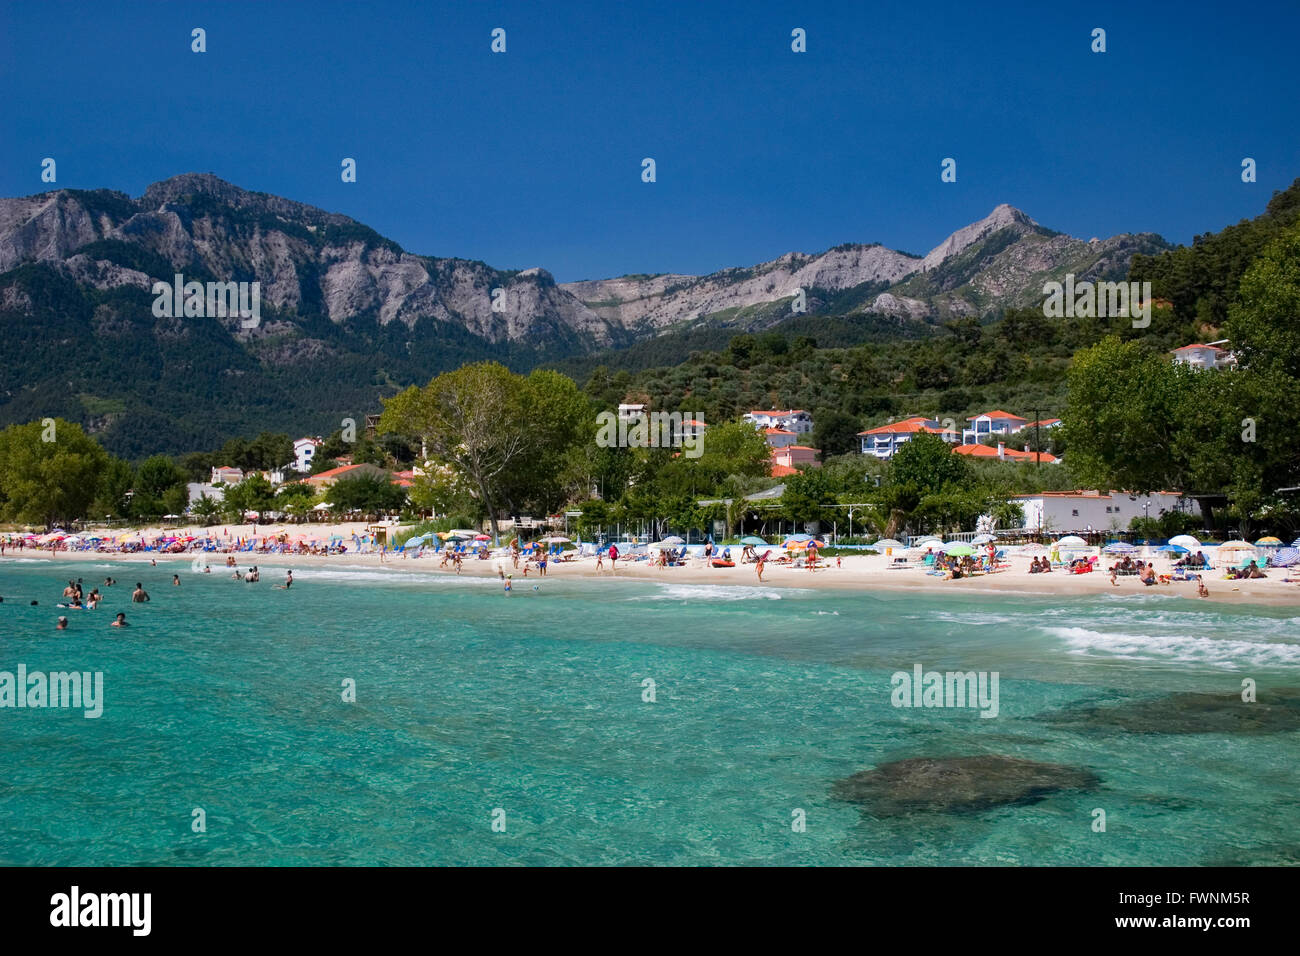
(762, 561)
(139, 595)
(600, 559)
(541, 564)
(613, 558)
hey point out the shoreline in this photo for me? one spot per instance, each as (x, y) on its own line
(858, 573)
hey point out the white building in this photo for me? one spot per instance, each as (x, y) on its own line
(227, 474)
(792, 420)
(1060, 512)
(1204, 356)
(779, 437)
(304, 450)
(991, 423)
(627, 413)
(884, 442)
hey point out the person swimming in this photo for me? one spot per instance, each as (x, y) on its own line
(62, 624)
(176, 580)
(120, 620)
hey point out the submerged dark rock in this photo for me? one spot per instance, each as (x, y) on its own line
(958, 784)
(1188, 713)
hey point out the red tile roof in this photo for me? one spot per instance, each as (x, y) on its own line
(782, 471)
(997, 414)
(777, 431)
(915, 423)
(984, 451)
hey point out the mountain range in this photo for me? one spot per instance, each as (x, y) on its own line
(349, 316)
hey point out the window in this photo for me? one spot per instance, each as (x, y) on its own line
(1074, 513)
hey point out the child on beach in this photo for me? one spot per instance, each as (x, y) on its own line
(508, 577)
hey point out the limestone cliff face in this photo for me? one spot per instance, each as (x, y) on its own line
(315, 263)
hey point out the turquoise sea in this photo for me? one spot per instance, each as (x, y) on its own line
(227, 697)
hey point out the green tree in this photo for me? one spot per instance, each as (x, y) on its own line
(834, 433)
(47, 481)
(474, 419)
(369, 493)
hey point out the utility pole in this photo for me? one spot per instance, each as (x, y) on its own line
(1038, 442)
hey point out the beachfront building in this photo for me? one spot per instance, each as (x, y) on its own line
(227, 475)
(1003, 453)
(304, 450)
(991, 423)
(884, 441)
(791, 419)
(1205, 356)
(779, 437)
(1060, 512)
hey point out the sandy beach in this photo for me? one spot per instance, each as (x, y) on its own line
(854, 572)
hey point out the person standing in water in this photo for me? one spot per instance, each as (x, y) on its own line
(508, 577)
(176, 580)
(139, 595)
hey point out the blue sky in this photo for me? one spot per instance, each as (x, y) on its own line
(533, 157)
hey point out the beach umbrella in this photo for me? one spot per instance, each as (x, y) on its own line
(1269, 542)
(1284, 557)
(960, 550)
(461, 532)
(1119, 547)
(556, 539)
(1173, 549)
(485, 537)
(928, 543)
(1237, 547)
(659, 546)
(1185, 541)
(752, 539)
(887, 543)
(1072, 541)
(982, 539)
(671, 539)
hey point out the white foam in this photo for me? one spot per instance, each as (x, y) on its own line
(716, 592)
(1227, 653)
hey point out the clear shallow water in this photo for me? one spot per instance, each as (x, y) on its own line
(226, 696)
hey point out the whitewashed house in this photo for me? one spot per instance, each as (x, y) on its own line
(227, 474)
(1204, 356)
(991, 423)
(304, 450)
(884, 442)
(792, 419)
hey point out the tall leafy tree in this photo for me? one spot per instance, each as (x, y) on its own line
(49, 472)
